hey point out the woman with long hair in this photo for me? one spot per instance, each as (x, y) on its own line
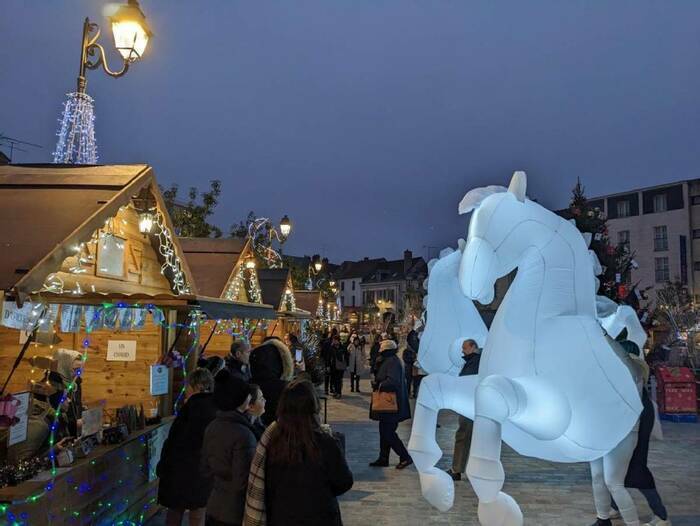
(305, 468)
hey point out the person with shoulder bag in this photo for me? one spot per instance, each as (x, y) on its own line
(390, 404)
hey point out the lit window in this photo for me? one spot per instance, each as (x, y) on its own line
(660, 238)
(623, 239)
(661, 273)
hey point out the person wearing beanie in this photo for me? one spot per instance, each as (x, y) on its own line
(227, 451)
(389, 376)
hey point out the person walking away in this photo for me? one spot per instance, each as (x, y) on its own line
(327, 359)
(271, 368)
(238, 360)
(639, 475)
(357, 361)
(390, 377)
(463, 436)
(255, 410)
(374, 350)
(182, 487)
(227, 451)
(340, 364)
(305, 469)
(409, 356)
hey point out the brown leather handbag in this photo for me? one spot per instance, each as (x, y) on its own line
(384, 402)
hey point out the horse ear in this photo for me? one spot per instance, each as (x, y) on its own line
(518, 186)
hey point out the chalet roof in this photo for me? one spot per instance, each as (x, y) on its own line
(47, 209)
(212, 261)
(358, 269)
(307, 299)
(273, 282)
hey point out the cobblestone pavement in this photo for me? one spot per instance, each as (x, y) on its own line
(549, 494)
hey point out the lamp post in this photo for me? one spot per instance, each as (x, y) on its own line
(76, 135)
(262, 241)
(131, 35)
(315, 266)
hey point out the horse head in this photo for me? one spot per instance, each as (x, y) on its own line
(451, 318)
(500, 231)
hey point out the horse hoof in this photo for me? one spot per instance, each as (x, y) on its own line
(503, 511)
(438, 488)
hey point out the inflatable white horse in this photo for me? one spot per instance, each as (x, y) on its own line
(550, 384)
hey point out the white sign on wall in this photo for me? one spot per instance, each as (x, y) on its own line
(18, 432)
(121, 350)
(159, 380)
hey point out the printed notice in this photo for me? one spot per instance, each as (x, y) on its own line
(18, 432)
(121, 350)
(159, 380)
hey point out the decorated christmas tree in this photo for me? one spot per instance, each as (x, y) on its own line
(615, 259)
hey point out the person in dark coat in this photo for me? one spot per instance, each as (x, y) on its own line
(374, 350)
(339, 357)
(327, 359)
(255, 410)
(305, 469)
(181, 485)
(272, 368)
(463, 435)
(409, 357)
(389, 376)
(639, 475)
(227, 451)
(238, 360)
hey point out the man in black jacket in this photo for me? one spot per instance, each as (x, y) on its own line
(238, 360)
(463, 436)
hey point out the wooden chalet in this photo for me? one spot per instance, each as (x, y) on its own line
(278, 290)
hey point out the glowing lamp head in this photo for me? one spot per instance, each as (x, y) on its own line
(250, 263)
(146, 222)
(288, 292)
(131, 31)
(285, 227)
(317, 263)
(331, 283)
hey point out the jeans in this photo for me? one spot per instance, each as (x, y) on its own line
(656, 505)
(388, 440)
(354, 382)
(608, 475)
(463, 441)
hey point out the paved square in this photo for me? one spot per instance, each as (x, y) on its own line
(549, 494)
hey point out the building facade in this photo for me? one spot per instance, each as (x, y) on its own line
(660, 226)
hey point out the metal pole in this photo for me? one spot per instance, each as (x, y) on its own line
(82, 80)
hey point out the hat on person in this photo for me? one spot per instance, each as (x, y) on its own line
(229, 391)
(387, 345)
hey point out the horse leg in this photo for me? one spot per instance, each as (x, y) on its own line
(437, 391)
(529, 403)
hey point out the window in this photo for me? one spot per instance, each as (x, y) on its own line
(353, 284)
(661, 273)
(342, 285)
(696, 266)
(353, 299)
(695, 200)
(660, 204)
(342, 301)
(696, 233)
(623, 209)
(623, 239)
(390, 295)
(660, 238)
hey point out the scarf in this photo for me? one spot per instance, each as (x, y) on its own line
(255, 514)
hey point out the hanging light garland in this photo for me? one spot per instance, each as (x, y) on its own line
(76, 134)
(172, 263)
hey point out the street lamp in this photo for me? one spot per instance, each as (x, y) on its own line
(285, 228)
(131, 35)
(316, 260)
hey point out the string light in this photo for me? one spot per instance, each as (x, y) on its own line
(76, 134)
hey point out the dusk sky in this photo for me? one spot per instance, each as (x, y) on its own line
(366, 121)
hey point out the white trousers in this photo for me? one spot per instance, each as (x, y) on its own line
(608, 474)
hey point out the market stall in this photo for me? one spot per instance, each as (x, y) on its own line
(277, 290)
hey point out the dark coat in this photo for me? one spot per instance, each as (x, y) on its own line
(227, 451)
(238, 369)
(389, 376)
(181, 483)
(638, 474)
(271, 367)
(471, 364)
(306, 495)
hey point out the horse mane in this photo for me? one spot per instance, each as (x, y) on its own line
(474, 197)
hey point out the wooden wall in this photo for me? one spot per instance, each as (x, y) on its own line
(117, 383)
(220, 344)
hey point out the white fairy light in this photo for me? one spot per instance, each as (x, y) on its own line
(76, 134)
